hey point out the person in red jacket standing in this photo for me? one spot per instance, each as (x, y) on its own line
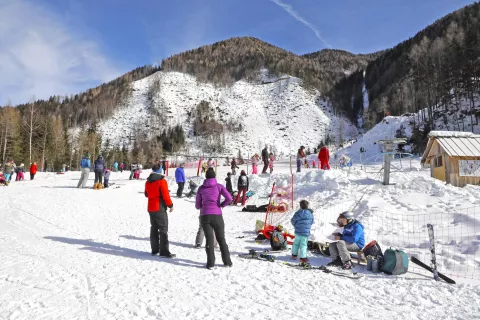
(33, 170)
(324, 158)
(156, 190)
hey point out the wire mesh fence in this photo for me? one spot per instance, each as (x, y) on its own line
(457, 235)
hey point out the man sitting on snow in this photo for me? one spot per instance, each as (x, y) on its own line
(352, 239)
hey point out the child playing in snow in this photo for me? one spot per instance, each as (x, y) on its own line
(302, 221)
(193, 189)
(271, 159)
(106, 178)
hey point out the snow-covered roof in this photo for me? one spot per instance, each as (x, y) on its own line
(451, 134)
(454, 143)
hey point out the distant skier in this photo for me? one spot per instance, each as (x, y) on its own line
(85, 168)
(33, 170)
(20, 172)
(265, 159)
(122, 166)
(324, 158)
(228, 183)
(300, 158)
(3, 179)
(271, 160)
(99, 168)
(133, 168)
(255, 162)
(233, 166)
(242, 187)
(211, 163)
(115, 166)
(204, 168)
(180, 179)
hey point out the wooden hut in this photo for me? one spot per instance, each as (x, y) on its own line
(454, 157)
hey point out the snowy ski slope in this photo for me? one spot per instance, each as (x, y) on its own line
(85, 254)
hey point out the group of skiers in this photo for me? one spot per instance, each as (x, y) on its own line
(11, 168)
(323, 158)
(102, 173)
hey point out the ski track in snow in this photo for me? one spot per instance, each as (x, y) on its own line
(85, 254)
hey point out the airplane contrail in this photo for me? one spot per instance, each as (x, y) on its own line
(289, 9)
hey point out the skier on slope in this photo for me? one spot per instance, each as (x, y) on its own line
(85, 168)
(351, 240)
(20, 172)
(265, 159)
(233, 166)
(300, 157)
(211, 163)
(156, 190)
(324, 158)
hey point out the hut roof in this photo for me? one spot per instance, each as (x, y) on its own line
(455, 143)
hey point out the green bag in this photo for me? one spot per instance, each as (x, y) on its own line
(395, 262)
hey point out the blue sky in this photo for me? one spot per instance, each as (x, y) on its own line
(62, 47)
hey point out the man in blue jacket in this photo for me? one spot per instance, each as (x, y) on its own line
(351, 240)
(180, 179)
(85, 168)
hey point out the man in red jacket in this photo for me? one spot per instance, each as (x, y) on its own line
(33, 170)
(156, 190)
(324, 158)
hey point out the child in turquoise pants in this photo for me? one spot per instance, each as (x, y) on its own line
(302, 221)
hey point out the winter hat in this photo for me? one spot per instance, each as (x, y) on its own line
(182, 165)
(229, 174)
(22, 165)
(156, 168)
(210, 173)
(243, 173)
(304, 204)
(347, 215)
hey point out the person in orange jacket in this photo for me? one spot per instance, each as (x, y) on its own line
(156, 190)
(324, 158)
(33, 170)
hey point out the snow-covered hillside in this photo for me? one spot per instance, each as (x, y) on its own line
(282, 113)
(386, 129)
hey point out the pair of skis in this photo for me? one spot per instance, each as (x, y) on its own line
(252, 254)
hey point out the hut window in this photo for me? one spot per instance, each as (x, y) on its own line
(438, 161)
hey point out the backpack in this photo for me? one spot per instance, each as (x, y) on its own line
(373, 249)
(395, 262)
(242, 183)
(278, 241)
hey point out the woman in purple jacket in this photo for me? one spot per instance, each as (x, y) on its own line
(208, 201)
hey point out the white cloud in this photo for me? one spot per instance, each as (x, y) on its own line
(289, 9)
(40, 56)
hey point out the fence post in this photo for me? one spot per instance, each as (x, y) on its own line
(166, 169)
(199, 165)
(248, 157)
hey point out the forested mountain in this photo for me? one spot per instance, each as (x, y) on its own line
(225, 62)
(435, 74)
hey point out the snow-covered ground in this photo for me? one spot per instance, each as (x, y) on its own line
(282, 114)
(85, 254)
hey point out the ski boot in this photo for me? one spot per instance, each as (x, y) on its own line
(304, 263)
(347, 265)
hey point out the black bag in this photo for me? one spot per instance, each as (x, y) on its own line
(278, 241)
(254, 208)
(373, 249)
